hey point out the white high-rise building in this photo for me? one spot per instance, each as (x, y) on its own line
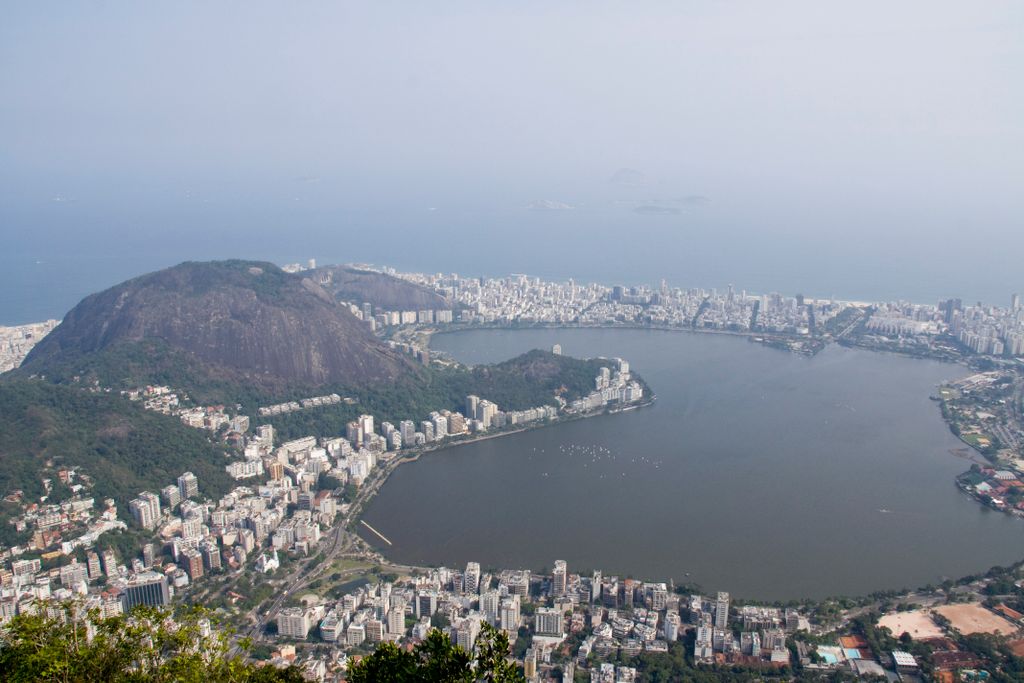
(548, 621)
(354, 433)
(427, 427)
(171, 495)
(472, 405)
(293, 622)
(703, 646)
(331, 627)
(672, 626)
(471, 579)
(366, 426)
(486, 411)
(146, 510)
(266, 435)
(355, 634)
(722, 610)
(490, 605)
(154, 502)
(192, 527)
(465, 631)
(659, 597)
(188, 486)
(509, 613)
(142, 514)
(396, 618)
(440, 426)
(559, 578)
(407, 428)
(71, 575)
(425, 604)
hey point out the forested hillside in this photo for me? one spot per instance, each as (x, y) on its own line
(382, 291)
(122, 447)
(532, 379)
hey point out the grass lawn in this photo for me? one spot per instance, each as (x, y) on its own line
(346, 563)
(978, 440)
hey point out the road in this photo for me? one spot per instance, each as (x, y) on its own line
(853, 324)
(340, 541)
(1017, 409)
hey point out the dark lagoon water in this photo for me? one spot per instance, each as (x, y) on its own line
(757, 471)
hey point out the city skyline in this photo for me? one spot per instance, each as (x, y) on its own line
(531, 343)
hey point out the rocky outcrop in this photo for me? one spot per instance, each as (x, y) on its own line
(248, 317)
(379, 289)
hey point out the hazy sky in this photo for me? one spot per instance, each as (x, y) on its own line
(868, 149)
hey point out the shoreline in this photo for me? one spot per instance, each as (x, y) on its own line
(424, 336)
(774, 340)
(394, 463)
(427, 333)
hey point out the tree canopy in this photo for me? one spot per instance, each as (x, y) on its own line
(69, 645)
(438, 660)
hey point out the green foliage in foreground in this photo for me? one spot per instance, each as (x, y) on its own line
(142, 648)
(438, 660)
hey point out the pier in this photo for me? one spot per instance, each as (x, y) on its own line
(382, 536)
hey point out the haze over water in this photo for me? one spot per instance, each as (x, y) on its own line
(757, 471)
(868, 150)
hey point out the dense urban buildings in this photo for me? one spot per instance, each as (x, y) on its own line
(17, 341)
(522, 300)
(294, 498)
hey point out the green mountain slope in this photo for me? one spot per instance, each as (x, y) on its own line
(383, 291)
(122, 447)
(526, 381)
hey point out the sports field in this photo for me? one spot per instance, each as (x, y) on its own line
(917, 623)
(973, 618)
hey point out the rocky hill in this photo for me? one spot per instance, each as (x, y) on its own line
(383, 291)
(241, 320)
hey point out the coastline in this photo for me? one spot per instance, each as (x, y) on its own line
(395, 462)
(423, 336)
(351, 522)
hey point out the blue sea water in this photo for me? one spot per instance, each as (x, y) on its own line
(55, 256)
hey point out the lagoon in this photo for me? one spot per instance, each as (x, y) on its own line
(757, 471)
